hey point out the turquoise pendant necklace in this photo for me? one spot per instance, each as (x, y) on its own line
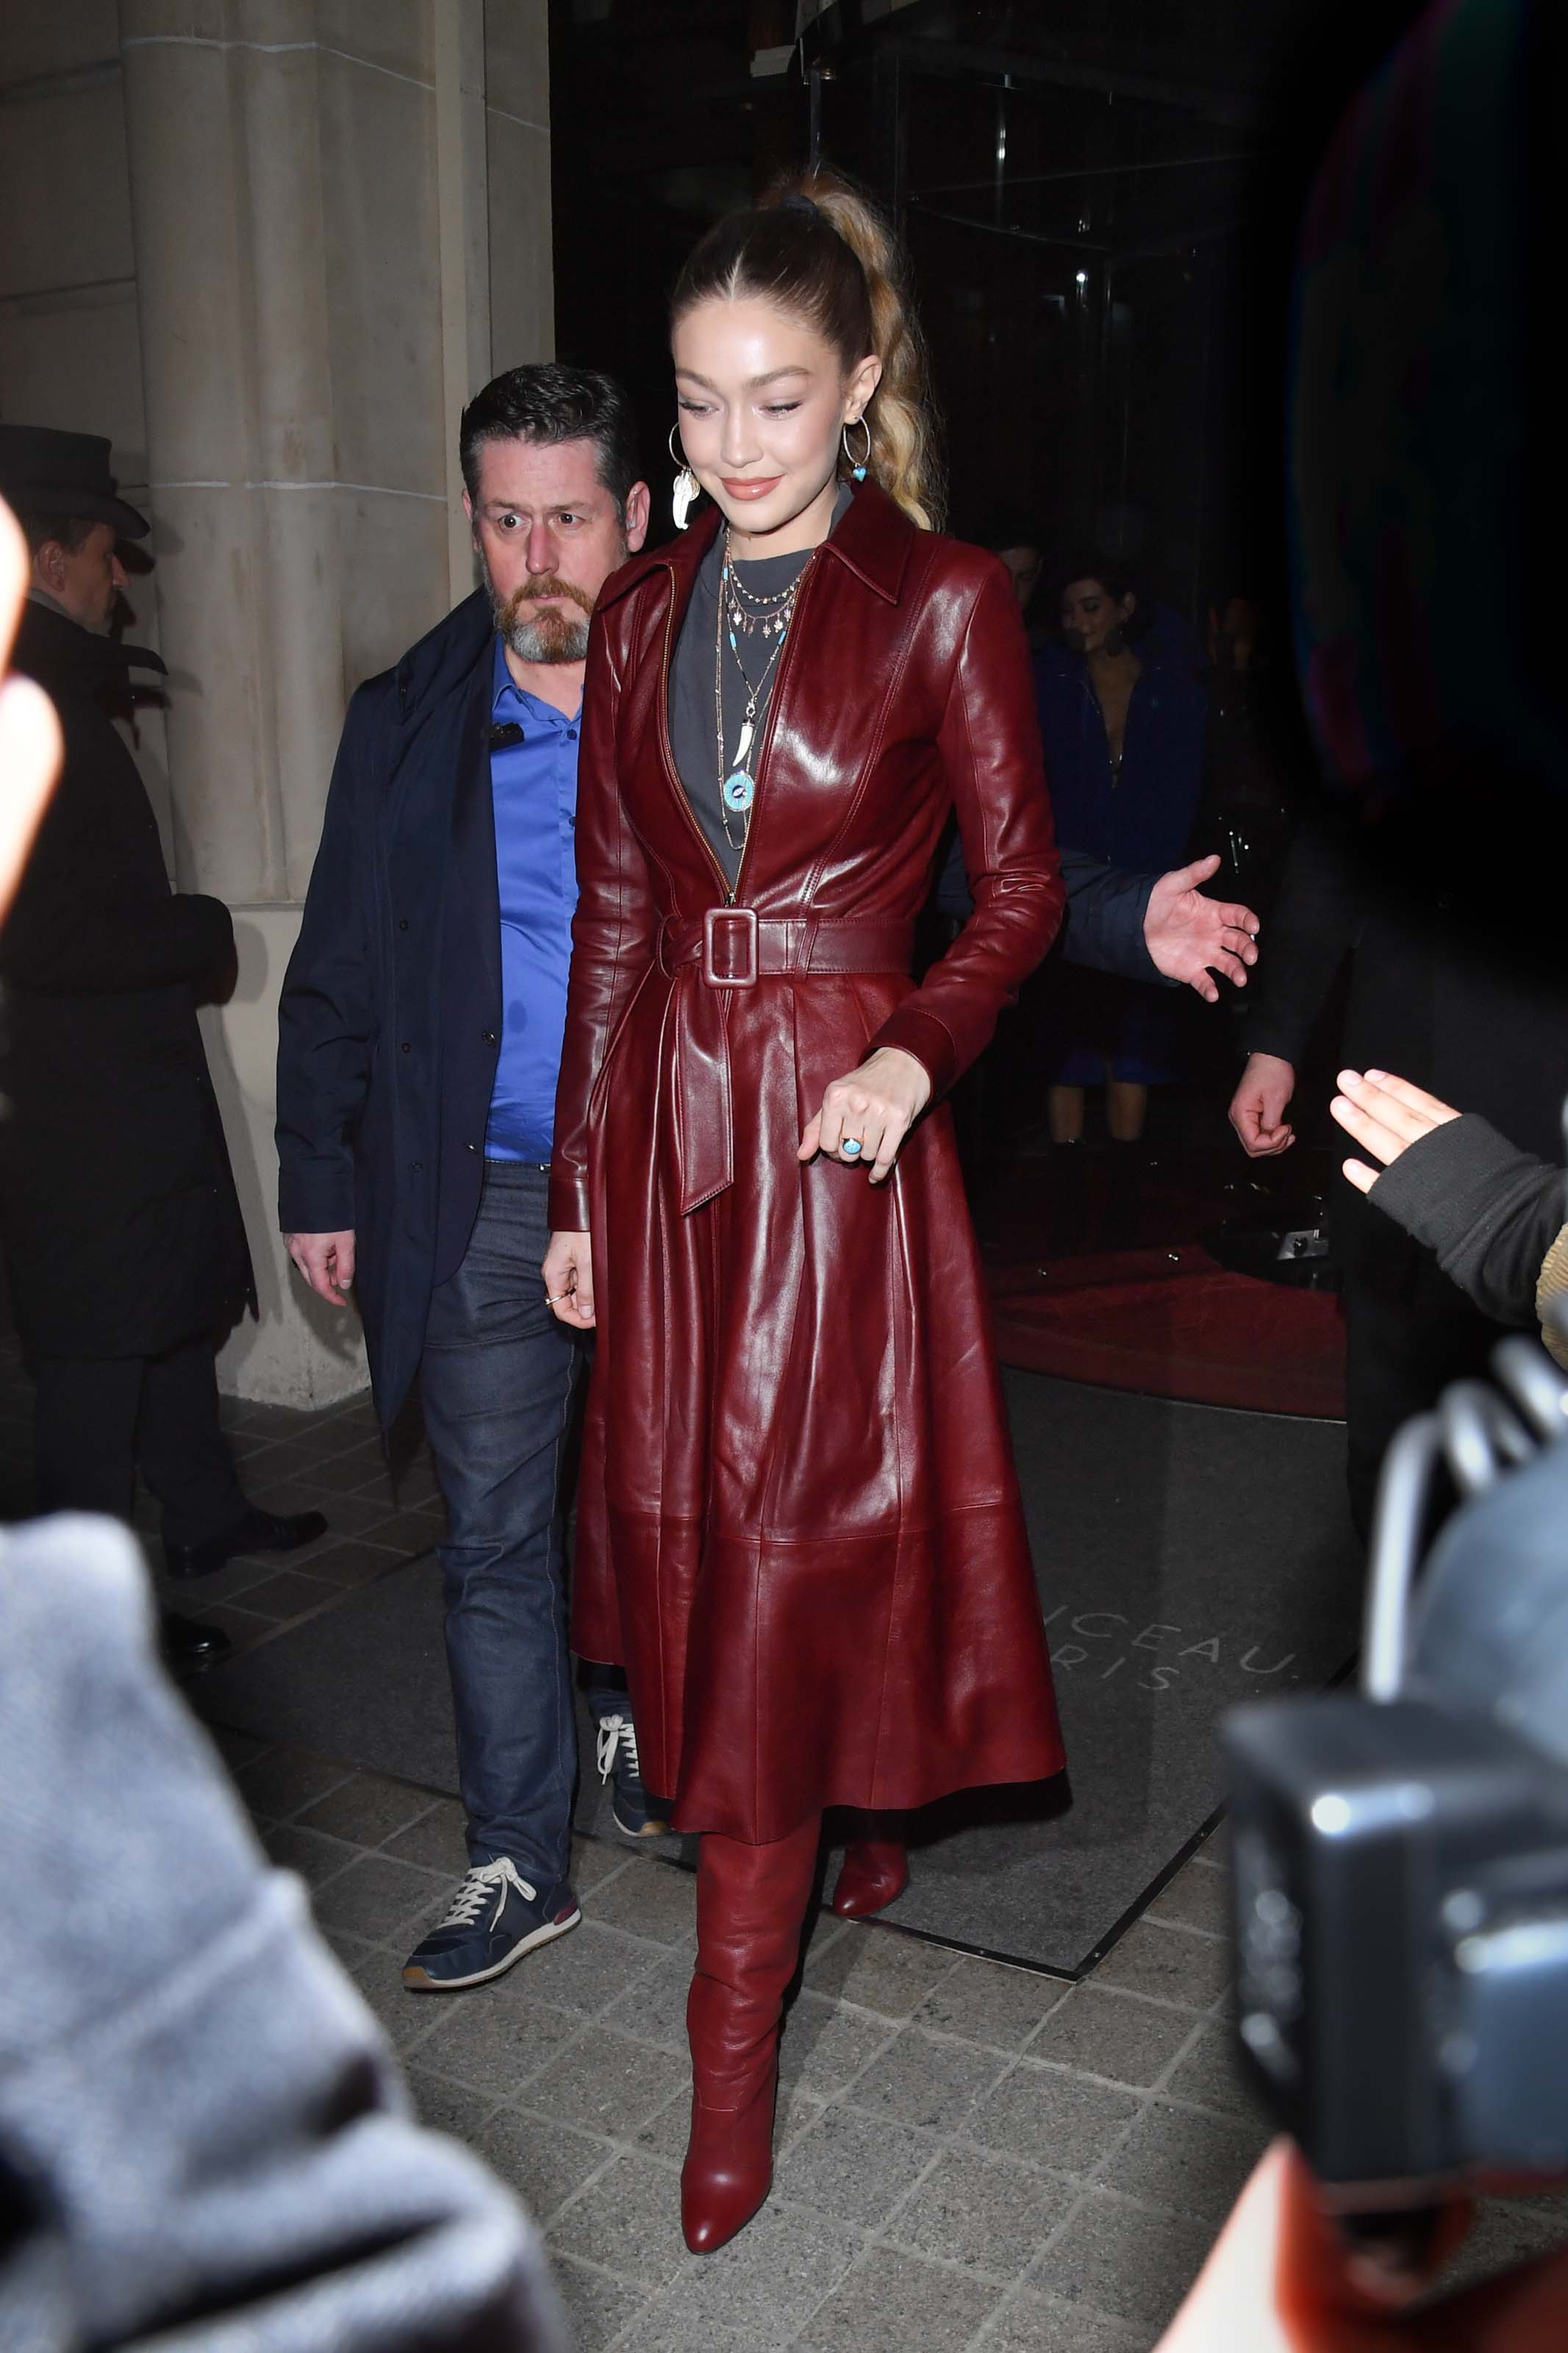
(737, 784)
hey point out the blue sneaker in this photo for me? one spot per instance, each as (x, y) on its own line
(494, 1918)
(635, 1811)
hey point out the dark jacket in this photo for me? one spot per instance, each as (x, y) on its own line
(1457, 981)
(390, 1023)
(122, 1229)
(1489, 1212)
(1144, 817)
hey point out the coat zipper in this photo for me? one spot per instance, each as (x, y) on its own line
(668, 750)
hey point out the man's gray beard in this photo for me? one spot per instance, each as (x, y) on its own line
(549, 641)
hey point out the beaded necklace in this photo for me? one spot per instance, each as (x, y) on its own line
(743, 613)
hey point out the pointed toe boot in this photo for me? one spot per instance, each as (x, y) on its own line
(751, 1906)
(874, 1871)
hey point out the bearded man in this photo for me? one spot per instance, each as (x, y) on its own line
(420, 1034)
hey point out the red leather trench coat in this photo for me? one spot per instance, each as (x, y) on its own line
(799, 1525)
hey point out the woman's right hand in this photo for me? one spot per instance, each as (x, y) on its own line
(568, 1280)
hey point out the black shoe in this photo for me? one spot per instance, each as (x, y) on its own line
(496, 1917)
(188, 1645)
(255, 1531)
(636, 1813)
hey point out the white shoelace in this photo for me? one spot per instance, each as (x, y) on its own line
(487, 1882)
(617, 1731)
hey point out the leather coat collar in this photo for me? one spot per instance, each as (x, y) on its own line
(872, 542)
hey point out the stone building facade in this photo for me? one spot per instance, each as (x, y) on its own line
(270, 247)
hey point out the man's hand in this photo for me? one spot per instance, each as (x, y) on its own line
(327, 1263)
(874, 1109)
(1385, 1116)
(1190, 938)
(1258, 1106)
(568, 1273)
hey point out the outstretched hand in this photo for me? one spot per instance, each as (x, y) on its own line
(1190, 938)
(1385, 1115)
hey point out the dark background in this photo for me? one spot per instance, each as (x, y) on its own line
(1098, 198)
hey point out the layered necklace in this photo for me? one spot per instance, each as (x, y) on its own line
(744, 616)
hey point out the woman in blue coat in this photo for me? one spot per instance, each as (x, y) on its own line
(1123, 730)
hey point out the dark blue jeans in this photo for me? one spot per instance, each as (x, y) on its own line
(500, 1378)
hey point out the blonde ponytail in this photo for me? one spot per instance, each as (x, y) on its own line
(818, 247)
(904, 458)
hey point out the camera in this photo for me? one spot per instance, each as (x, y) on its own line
(1401, 1850)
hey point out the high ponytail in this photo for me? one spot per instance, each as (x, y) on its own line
(818, 247)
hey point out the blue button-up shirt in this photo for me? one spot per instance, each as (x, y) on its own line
(533, 785)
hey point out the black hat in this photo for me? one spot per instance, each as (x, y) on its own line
(42, 472)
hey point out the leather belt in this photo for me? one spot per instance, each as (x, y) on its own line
(735, 947)
(732, 948)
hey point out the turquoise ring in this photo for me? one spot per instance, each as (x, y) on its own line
(851, 1147)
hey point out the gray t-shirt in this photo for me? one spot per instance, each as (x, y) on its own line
(693, 733)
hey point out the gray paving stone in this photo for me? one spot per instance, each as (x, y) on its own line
(983, 2211)
(355, 1561)
(607, 2082)
(315, 1858)
(1504, 2232)
(986, 2001)
(1052, 2119)
(925, 2082)
(245, 1628)
(854, 2167)
(664, 2135)
(878, 1969)
(368, 1808)
(544, 2160)
(584, 1972)
(454, 2108)
(1198, 1897)
(1211, 2075)
(1193, 2164)
(597, 2308)
(1032, 2323)
(378, 1896)
(658, 2332)
(594, 1859)
(658, 1900)
(1125, 2259)
(404, 2018)
(490, 2043)
(436, 1840)
(824, 2046)
(1112, 2034)
(765, 2282)
(653, 2009)
(892, 2301)
(286, 1779)
(288, 1593)
(628, 2219)
(1171, 1964)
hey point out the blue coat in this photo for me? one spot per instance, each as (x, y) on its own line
(390, 1020)
(1145, 819)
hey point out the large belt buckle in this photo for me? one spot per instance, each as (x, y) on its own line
(746, 917)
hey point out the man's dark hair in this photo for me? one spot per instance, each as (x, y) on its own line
(549, 401)
(69, 531)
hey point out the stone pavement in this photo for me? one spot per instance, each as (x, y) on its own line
(969, 2155)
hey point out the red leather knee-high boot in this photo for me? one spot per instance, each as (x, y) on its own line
(750, 1907)
(874, 1872)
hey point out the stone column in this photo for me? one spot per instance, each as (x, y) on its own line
(309, 187)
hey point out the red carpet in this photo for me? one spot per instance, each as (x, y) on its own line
(1173, 1324)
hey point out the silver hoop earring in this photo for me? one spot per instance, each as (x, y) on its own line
(858, 464)
(686, 486)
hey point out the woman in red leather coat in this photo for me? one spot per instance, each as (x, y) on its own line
(799, 1526)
